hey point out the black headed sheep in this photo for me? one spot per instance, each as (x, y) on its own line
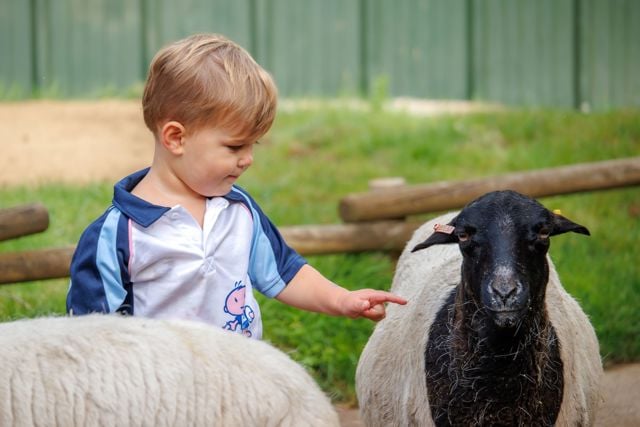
(490, 336)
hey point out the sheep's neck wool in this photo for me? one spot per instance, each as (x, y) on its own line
(475, 376)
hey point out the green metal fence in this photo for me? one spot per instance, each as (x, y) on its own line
(559, 53)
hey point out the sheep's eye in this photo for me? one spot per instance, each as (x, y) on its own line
(544, 233)
(463, 236)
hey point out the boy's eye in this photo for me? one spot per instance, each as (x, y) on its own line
(240, 146)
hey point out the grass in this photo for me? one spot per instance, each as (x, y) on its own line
(311, 159)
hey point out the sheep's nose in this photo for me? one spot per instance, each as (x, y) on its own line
(504, 289)
(504, 284)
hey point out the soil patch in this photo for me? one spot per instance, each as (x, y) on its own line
(72, 141)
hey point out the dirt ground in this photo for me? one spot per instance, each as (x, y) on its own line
(74, 142)
(80, 142)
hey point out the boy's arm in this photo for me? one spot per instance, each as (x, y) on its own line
(99, 276)
(309, 290)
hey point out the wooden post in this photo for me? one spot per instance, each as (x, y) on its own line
(393, 183)
(22, 220)
(440, 196)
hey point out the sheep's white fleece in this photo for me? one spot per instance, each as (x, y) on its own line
(110, 370)
(390, 378)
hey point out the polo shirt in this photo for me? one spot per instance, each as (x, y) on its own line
(155, 261)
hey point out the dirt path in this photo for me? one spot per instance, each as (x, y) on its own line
(621, 390)
(79, 142)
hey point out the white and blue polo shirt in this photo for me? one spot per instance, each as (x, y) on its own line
(155, 261)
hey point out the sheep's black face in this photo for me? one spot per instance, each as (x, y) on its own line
(504, 239)
(504, 266)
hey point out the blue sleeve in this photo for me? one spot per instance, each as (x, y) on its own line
(272, 263)
(99, 274)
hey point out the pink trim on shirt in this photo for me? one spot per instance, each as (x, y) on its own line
(130, 246)
(248, 211)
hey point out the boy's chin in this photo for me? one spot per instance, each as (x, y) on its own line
(220, 191)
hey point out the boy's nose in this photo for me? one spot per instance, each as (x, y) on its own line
(246, 160)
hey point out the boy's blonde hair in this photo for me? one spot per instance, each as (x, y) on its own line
(207, 79)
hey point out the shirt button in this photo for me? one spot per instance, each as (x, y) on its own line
(210, 265)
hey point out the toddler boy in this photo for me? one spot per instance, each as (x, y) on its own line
(180, 239)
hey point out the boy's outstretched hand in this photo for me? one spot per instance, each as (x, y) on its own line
(310, 290)
(367, 303)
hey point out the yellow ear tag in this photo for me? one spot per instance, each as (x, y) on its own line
(557, 211)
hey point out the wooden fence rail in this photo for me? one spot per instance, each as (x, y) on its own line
(22, 220)
(307, 240)
(419, 199)
(39, 264)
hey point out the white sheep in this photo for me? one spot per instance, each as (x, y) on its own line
(111, 370)
(490, 336)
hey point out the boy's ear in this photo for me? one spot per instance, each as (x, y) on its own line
(172, 136)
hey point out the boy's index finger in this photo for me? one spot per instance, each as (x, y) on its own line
(382, 296)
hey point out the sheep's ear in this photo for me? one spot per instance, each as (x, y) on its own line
(439, 237)
(563, 225)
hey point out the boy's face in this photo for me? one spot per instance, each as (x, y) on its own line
(212, 160)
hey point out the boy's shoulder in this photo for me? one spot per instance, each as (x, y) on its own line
(240, 195)
(109, 227)
(99, 222)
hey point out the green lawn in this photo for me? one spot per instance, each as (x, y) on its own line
(311, 159)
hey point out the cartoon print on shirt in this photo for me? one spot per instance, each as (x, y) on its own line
(234, 305)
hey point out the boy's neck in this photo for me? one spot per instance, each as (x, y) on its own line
(169, 191)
